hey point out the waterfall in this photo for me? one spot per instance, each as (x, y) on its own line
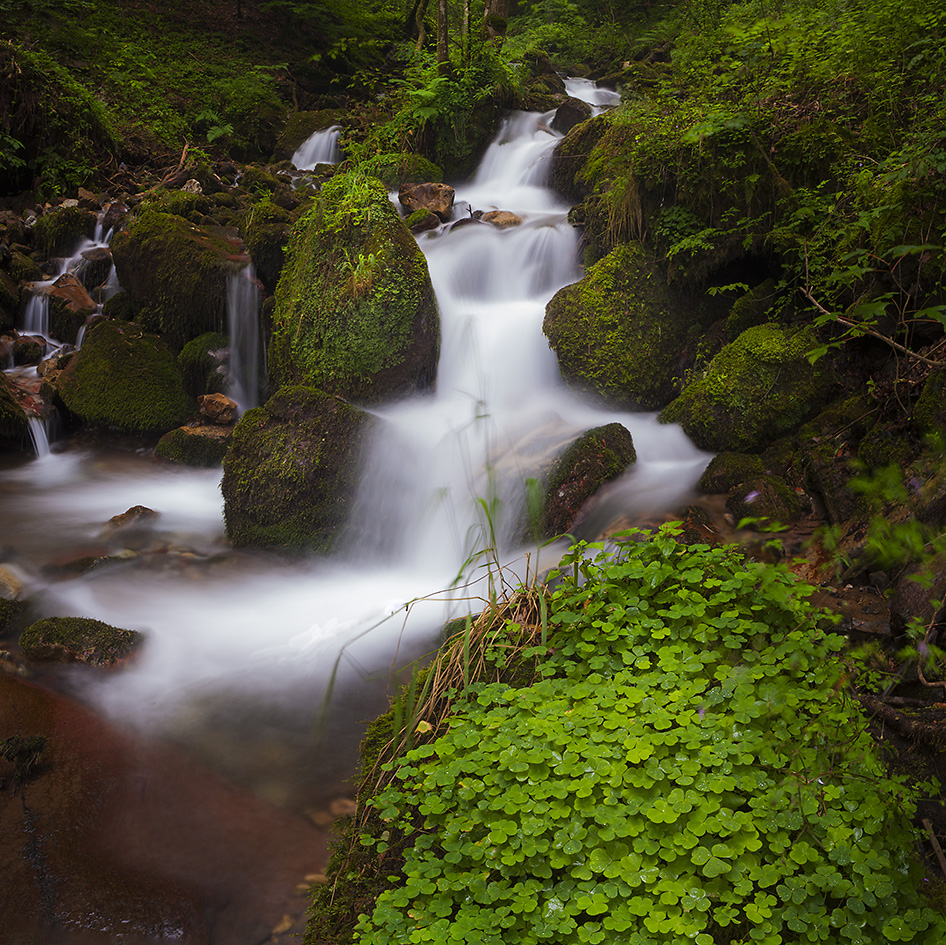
(39, 436)
(587, 91)
(243, 303)
(320, 148)
(36, 315)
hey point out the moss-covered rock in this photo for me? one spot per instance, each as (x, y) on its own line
(397, 168)
(202, 364)
(355, 310)
(203, 445)
(929, 412)
(265, 229)
(757, 388)
(9, 301)
(289, 476)
(174, 275)
(14, 427)
(622, 332)
(571, 155)
(124, 379)
(23, 268)
(59, 232)
(768, 500)
(10, 611)
(596, 457)
(77, 640)
(750, 310)
(727, 470)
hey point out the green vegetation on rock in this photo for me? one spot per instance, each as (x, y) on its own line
(758, 387)
(201, 366)
(355, 311)
(194, 446)
(77, 640)
(124, 379)
(13, 423)
(289, 476)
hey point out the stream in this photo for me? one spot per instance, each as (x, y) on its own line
(243, 648)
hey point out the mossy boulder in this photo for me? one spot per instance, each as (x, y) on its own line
(124, 379)
(77, 640)
(14, 427)
(622, 332)
(757, 388)
(9, 301)
(174, 275)
(60, 231)
(567, 175)
(355, 311)
(727, 470)
(596, 457)
(265, 229)
(397, 168)
(203, 445)
(750, 310)
(768, 500)
(202, 363)
(10, 611)
(290, 474)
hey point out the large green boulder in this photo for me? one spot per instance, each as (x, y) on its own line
(175, 275)
(124, 379)
(355, 310)
(757, 388)
(290, 473)
(77, 640)
(265, 229)
(622, 332)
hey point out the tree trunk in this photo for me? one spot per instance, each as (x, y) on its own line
(420, 11)
(495, 15)
(443, 48)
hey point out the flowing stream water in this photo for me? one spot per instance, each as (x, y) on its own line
(241, 646)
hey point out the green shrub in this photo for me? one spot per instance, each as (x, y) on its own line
(689, 769)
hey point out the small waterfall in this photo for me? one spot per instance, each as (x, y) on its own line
(36, 316)
(320, 148)
(243, 303)
(587, 91)
(39, 436)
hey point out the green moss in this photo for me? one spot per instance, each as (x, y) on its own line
(59, 232)
(259, 181)
(124, 379)
(194, 446)
(190, 206)
(77, 639)
(9, 301)
(355, 310)
(395, 169)
(621, 332)
(10, 611)
(419, 216)
(929, 412)
(24, 269)
(200, 368)
(751, 309)
(289, 476)
(757, 388)
(265, 229)
(768, 499)
(726, 470)
(596, 457)
(174, 275)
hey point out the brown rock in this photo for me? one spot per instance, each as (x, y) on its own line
(570, 113)
(217, 408)
(436, 197)
(502, 218)
(134, 517)
(88, 200)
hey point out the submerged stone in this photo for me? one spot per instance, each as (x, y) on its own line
(290, 474)
(77, 640)
(202, 445)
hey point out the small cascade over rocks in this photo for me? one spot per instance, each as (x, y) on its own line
(319, 148)
(39, 436)
(586, 90)
(246, 342)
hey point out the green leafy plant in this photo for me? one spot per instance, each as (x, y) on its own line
(685, 767)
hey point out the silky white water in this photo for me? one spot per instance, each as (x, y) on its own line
(319, 148)
(221, 624)
(246, 346)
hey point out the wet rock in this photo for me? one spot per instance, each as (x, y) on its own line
(355, 313)
(69, 307)
(77, 640)
(570, 113)
(28, 349)
(420, 221)
(203, 363)
(768, 500)
(12, 583)
(10, 611)
(265, 229)
(502, 219)
(203, 445)
(60, 231)
(137, 516)
(622, 332)
(438, 198)
(217, 408)
(94, 269)
(757, 388)
(863, 610)
(290, 474)
(595, 458)
(124, 379)
(87, 200)
(728, 470)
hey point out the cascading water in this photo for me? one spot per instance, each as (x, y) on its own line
(588, 91)
(319, 148)
(40, 437)
(242, 629)
(246, 346)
